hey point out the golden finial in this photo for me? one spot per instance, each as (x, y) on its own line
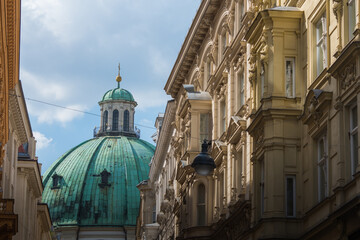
(118, 77)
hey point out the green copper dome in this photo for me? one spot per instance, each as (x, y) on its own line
(118, 94)
(94, 184)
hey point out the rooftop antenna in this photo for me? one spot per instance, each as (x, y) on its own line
(118, 77)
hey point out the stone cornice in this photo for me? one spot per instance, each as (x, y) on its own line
(163, 141)
(31, 169)
(193, 41)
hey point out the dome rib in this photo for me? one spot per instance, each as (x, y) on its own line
(85, 178)
(82, 200)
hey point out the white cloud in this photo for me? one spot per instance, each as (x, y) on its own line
(39, 88)
(159, 63)
(45, 88)
(41, 140)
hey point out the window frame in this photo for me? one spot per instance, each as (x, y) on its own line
(322, 166)
(351, 15)
(321, 44)
(201, 206)
(293, 177)
(353, 133)
(293, 78)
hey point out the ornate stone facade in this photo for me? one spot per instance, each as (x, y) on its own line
(280, 81)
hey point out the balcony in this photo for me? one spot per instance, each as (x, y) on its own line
(109, 131)
(8, 220)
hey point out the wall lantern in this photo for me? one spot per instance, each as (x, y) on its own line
(203, 163)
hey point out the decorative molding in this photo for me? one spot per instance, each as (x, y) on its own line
(347, 75)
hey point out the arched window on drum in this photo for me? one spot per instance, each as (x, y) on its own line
(126, 120)
(105, 120)
(115, 120)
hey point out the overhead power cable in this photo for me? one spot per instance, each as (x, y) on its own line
(72, 109)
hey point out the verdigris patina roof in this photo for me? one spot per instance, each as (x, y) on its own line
(94, 184)
(118, 94)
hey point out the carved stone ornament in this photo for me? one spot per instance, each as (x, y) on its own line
(165, 206)
(338, 8)
(170, 193)
(347, 76)
(264, 52)
(252, 69)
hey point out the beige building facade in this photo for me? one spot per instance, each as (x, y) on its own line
(275, 86)
(22, 215)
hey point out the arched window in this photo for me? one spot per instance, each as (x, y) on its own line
(105, 120)
(126, 120)
(201, 205)
(115, 120)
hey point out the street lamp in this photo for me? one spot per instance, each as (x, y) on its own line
(203, 163)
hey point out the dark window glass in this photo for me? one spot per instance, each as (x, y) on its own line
(115, 121)
(105, 120)
(201, 205)
(126, 120)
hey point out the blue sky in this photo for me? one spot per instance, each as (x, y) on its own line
(69, 53)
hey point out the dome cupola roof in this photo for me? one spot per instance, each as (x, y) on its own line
(94, 184)
(118, 94)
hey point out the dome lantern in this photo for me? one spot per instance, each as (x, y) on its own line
(117, 112)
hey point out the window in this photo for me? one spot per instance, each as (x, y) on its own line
(262, 186)
(207, 73)
(353, 134)
(290, 77)
(290, 196)
(322, 167)
(154, 214)
(351, 18)
(105, 120)
(241, 84)
(223, 43)
(321, 44)
(126, 120)
(205, 126)
(201, 205)
(115, 122)
(238, 171)
(56, 181)
(222, 116)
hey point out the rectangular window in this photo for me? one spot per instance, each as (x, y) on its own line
(222, 116)
(238, 171)
(321, 44)
(205, 126)
(241, 84)
(154, 214)
(223, 44)
(262, 187)
(290, 77)
(353, 133)
(290, 196)
(208, 69)
(351, 18)
(322, 168)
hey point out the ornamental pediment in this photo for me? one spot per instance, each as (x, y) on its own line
(315, 103)
(344, 68)
(219, 149)
(236, 126)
